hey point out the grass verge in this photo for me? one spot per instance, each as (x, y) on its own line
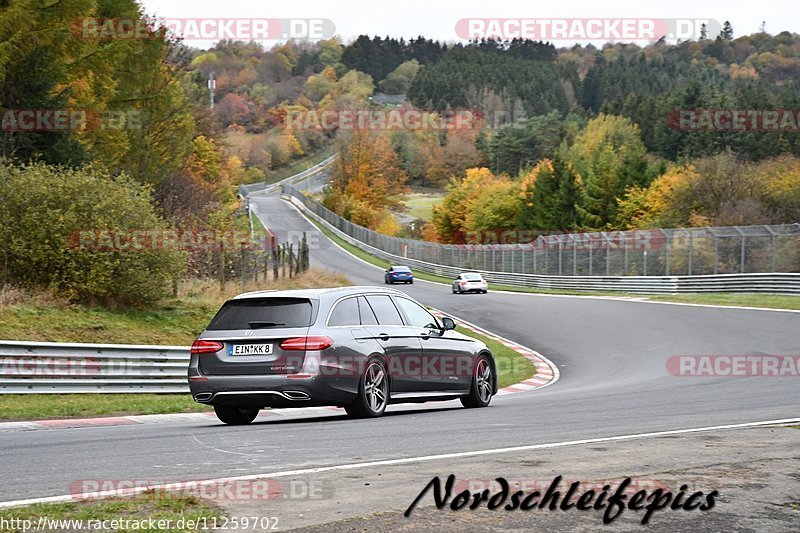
(511, 366)
(420, 204)
(174, 510)
(774, 301)
(53, 406)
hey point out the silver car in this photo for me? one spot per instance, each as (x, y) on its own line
(360, 348)
(470, 282)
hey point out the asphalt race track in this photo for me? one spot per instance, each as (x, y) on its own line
(612, 355)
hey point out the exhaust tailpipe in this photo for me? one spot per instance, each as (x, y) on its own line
(296, 395)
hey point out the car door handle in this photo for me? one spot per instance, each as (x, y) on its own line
(383, 336)
(425, 336)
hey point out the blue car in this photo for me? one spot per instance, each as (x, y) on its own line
(401, 274)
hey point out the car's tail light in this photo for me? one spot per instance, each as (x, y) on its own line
(462, 282)
(311, 342)
(201, 346)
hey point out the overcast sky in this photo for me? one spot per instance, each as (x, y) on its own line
(437, 18)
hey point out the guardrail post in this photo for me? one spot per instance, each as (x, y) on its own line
(221, 266)
(560, 254)
(743, 254)
(574, 257)
(546, 257)
(243, 264)
(274, 248)
(254, 254)
(625, 245)
(774, 240)
(716, 254)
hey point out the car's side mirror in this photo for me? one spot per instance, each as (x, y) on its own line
(448, 323)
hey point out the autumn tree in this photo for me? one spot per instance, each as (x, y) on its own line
(609, 156)
(550, 196)
(399, 80)
(366, 180)
(452, 217)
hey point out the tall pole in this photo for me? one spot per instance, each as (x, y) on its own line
(212, 85)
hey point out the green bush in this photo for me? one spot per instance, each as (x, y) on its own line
(46, 212)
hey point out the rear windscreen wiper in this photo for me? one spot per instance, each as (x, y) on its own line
(264, 324)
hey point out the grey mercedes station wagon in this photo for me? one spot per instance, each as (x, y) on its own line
(360, 348)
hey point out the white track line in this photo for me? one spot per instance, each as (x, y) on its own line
(405, 460)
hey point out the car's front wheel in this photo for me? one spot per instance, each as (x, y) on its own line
(235, 416)
(373, 392)
(480, 393)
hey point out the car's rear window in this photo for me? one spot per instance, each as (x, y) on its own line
(283, 312)
(345, 313)
(400, 269)
(472, 276)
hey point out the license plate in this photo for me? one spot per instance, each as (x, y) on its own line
(250, 349)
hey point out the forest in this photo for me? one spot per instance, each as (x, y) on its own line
(564, 139)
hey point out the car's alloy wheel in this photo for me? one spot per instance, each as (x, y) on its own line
(480, 393)
(235, 416)
(373, 392)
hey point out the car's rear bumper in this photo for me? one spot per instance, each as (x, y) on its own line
(473, 288)
(273, 390)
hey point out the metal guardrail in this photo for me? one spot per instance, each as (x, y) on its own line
(245, 190)
(52, 367)
(644, 252)
(773, 283)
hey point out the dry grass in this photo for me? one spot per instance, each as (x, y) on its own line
(10, 296)
(208, 290)
(40, 316)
